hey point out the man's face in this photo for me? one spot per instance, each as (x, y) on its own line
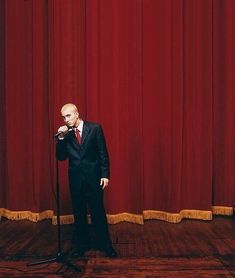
(69, 116)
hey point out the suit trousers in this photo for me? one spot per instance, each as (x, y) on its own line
(85, 195)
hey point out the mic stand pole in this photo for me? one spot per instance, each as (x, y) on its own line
(59, 257)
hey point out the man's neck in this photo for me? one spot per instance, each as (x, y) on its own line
(78, 122)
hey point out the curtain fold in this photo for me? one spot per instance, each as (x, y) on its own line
(114, 94)
(158, 76)
(223, 102)
(2, 107)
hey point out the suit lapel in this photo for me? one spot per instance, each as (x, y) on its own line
(85, 132)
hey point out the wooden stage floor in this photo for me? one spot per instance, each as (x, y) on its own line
(191, 248)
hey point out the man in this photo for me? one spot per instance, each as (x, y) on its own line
(83, 144)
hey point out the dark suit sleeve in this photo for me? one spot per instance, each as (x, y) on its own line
(103, 154)
(61, 152)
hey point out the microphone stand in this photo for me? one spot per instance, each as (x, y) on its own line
(60, 256)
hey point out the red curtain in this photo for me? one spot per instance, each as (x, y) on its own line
(158, 75)
(223, 102)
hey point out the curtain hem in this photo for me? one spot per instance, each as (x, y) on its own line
(29, 215)
(121, 217)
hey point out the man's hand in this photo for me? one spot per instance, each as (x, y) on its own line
(63, 129)
(104, 182)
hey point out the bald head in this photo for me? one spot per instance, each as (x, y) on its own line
(70, 106)
(70, 115)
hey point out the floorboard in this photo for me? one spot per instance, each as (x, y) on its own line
(191, 248)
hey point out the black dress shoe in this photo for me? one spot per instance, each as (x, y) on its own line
(78, 252)
(110, 252)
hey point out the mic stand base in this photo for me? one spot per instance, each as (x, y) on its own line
(60, 258)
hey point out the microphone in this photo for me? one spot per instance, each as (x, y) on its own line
(70, 128)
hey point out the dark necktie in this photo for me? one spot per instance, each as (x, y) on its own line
(77, 133)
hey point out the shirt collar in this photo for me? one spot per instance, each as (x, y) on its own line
(80, 126)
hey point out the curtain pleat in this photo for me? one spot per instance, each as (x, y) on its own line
(158, 76)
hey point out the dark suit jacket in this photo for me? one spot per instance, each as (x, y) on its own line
(90, 158)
